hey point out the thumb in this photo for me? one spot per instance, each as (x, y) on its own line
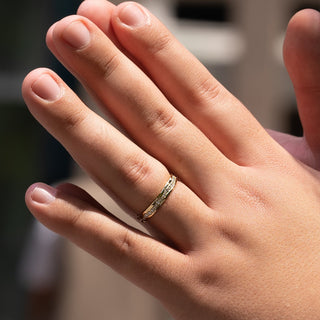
(302, 59)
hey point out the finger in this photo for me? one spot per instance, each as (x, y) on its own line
(189, 85)
(137, 103)
(138, 257)
(114, 162)
(302, 59)
(99, 11)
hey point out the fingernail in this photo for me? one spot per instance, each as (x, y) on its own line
(77, 35)
(133, 15)
(43, 195)
(46, 88)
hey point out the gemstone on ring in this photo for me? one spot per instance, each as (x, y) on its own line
(158, 201)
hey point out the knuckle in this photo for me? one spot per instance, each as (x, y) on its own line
(109, 65)
(161, 43)
(73, 120)
(124, 243)
(136, 170)
(75, 219)
(207, 90)
(162, 121)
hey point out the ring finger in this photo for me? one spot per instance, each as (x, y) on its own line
(116, 163)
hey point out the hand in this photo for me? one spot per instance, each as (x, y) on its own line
(238, 238)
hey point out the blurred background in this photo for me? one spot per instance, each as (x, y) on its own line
(44, 277)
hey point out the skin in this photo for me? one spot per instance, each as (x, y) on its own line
(238, 238)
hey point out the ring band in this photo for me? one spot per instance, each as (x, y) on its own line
(159, 200)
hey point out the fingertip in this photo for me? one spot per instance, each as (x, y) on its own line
(131, 15)
(55, 32)
(29, 79)
(49, 37)
(44, 203)
(301, 47)
(136, 28)
(303, 27)
(99, 12)
(27, 196)
(40, 194)
(38, 199)
(35, 73)
(93, 8)
(84, 6)
(310, 16)
(43, 84)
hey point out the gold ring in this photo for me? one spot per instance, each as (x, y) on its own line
(158, 201)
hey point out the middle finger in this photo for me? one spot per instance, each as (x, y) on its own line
(137, 104)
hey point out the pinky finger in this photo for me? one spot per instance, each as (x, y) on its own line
(71, 212)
